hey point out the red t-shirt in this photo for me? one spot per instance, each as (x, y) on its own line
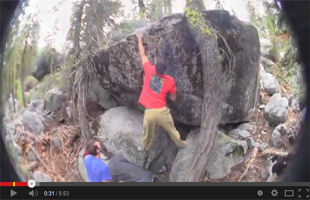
(155, 88)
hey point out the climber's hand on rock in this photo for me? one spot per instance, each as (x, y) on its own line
(139, 36)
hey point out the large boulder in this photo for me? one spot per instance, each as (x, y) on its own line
(53, 100)
(276, 110)
(33, 122)
(96, 93)
(48, 60)
(270, 84)
(121, 130)
(225, 154)
(120, 71)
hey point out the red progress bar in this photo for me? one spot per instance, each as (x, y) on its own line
(10, 184)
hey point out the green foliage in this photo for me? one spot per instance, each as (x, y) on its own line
(196, 21)
(20, 51)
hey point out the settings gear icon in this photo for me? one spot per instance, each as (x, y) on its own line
(274, 192)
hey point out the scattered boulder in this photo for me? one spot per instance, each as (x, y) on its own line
(276, 138)
(270, 84)
(96, 93)
(225, 154)
(295, 105)
(247, 127)
(282, 129)
(36, 103)
(48, 59)
(33, 122)
(41, 177)
(121, 129)
(242, 131)
(265, 46)
(276, 110)
(53, 100)
(250, 142)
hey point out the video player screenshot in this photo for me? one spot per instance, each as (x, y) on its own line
(154, 99)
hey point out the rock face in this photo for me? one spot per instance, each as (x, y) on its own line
(270, 83)
(33, 122)
(276, 110)
(226, 153)
(122, 129)
(120, 70)
(53, 99)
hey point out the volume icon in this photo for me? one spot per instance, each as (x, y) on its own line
(33, 193)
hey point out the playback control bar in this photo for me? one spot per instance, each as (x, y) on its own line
(106, 191)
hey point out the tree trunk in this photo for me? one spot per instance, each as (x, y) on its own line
(13, 98)
(77, 30)
(195, 4)
(142, 9)
(23, 92)
(213, 97)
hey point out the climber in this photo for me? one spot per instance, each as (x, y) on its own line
(156, 87)
(97, 170)
(122, 170)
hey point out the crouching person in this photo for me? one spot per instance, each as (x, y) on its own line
(97, 170)
(122, 170)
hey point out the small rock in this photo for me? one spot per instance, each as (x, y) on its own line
(56, 144)
(247, 126)
(69, 111)
(41, 177)
(295, 105)
(31, 156)
(282, 129)
(33, 165)
(244, 134)
(262, 146)
(276, 138)
(250, 141)
(276, 110)
(264, 174)
(262, 107)
(33, 122)
(53, 100)
(270, 84)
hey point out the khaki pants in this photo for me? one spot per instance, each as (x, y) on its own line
(162, 118)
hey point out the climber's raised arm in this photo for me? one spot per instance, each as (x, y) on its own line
(144, 59)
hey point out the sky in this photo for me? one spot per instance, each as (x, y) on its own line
(48, 17)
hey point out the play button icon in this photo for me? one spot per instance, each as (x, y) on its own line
(13, 193)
